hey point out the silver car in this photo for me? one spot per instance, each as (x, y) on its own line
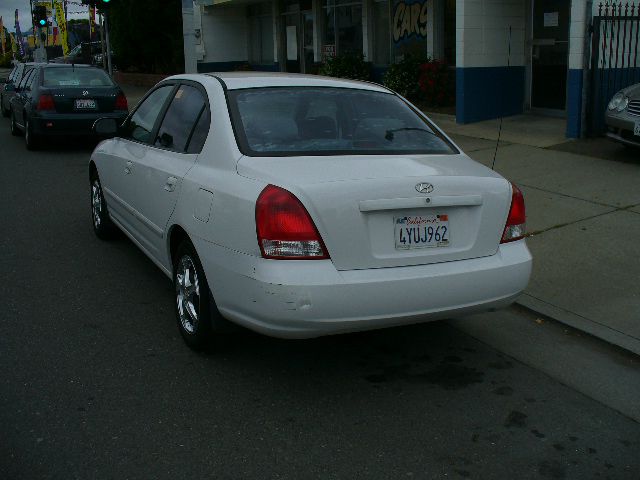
(623, 116)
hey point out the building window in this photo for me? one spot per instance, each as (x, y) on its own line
(381, 36)
(261, 34)
(343, 26)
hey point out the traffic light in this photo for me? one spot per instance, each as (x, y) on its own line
(40, 16)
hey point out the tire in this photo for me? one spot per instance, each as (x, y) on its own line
(15, 131)
(31, 140)
(103, 227)
(193, 303)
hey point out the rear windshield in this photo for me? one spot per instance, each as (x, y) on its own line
(76, 77)
(289, 121)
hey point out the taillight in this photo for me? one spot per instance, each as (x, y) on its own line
(121, 102)
(515, 227)
(45, 102)
(285, 229)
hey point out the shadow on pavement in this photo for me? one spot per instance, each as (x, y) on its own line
(602, 148)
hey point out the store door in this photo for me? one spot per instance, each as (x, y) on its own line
(291, 36)
(298, 40)
(550, 54)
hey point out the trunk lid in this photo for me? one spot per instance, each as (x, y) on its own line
(65, 99)
(356, 202)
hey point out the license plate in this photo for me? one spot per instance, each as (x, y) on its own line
(85, 104)
(636, 129)
(421, 231)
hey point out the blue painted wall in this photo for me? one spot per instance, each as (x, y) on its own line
(574, 103)
(483, 93)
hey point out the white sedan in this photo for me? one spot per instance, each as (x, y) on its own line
(300, 206)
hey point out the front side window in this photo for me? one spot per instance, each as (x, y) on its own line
(291, 121)
(182, 115)
(141, 123)
(75, 77)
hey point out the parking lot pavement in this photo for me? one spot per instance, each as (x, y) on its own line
(97, 383)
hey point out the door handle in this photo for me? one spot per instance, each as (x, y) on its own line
(127, 168)
(170, 186)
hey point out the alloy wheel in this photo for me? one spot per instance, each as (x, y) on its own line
(96, 203)
(188, 294)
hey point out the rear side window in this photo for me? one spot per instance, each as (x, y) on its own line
(200, 132)
(186, 108)
(75, 77)
(143, 120)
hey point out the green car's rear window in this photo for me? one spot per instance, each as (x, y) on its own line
(76, 77)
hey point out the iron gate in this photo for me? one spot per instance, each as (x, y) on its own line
(615, 58)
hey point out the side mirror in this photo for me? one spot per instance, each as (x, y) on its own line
(166, 140)
(9, 87)
(106, 127)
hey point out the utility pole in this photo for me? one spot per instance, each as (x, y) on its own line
(189, 38)
(104, 52)
(106, 26)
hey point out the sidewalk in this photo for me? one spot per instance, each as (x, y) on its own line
(583, 218)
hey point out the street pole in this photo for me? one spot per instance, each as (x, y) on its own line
(42, 54)
(104, 53)
(106, 26)
(189, 38)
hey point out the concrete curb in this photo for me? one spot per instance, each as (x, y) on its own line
(578, 322)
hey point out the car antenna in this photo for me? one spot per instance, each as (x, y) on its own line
(495, 153)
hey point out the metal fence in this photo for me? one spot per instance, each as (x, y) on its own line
(615, 57)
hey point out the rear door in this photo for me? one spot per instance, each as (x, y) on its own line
(160, 169)
(20, 103)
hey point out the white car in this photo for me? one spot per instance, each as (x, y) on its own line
(300, 206)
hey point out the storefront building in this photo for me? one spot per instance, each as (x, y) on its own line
(509, 56)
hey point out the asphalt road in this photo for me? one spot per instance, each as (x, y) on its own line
(95, 381)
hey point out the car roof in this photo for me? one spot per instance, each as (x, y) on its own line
(239, 80)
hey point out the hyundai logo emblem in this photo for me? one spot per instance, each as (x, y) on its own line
(85, 92)
(424, 187)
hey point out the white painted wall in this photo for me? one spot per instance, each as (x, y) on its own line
(577, 31)
(482, 32)
(225, 34)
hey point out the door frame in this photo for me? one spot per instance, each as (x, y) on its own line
(552, 112)
(282, 44)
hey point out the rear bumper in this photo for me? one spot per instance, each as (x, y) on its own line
(56, 124)
(304, 299)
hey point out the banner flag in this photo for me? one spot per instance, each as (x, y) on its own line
(62, 26)
(14, 46)
(19, 39)
(92, 21)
